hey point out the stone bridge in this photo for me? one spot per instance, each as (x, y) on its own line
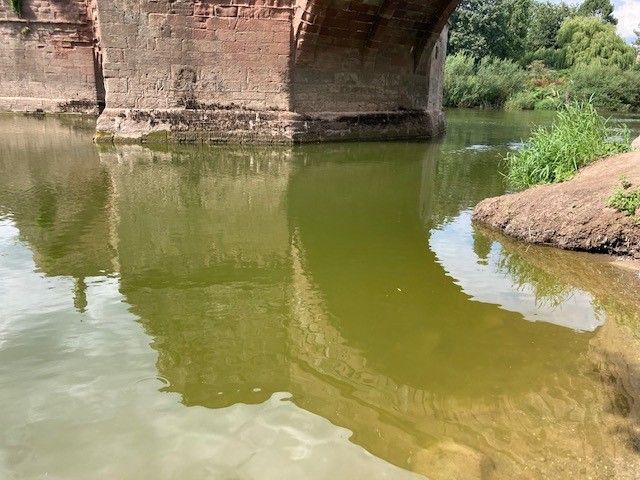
(273, 71)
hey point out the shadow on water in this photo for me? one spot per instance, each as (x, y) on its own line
(351, 277)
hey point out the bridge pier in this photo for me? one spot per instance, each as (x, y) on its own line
(268, 127)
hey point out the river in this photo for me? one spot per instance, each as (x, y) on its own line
(312, 312)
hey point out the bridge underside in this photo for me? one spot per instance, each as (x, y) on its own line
(271, 71)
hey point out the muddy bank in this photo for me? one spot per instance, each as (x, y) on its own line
(572, 215)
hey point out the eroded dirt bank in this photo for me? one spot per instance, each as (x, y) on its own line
(572, 215)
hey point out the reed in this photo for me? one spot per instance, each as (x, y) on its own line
(578, 136)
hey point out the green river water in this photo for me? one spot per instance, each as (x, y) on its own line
(316, 312)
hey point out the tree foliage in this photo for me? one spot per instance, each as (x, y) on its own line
(544, 22)
(478, 29)
(494, 28)
(557, 52)
(602, 9)
(585, 40)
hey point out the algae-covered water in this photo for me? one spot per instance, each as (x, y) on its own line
(314, 312)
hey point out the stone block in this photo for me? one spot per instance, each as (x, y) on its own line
(226, 11)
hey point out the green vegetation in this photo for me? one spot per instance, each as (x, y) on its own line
(493, 28)
(584, 40)
(556, 52)
(598, 8)
(16, 5)
(578, 136)
(488, 83)
(626, 200)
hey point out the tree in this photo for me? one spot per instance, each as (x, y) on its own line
(602, 9)
(585, 40)
(519, 14)
(478, 29)
(544, 22)
(636, 43)
(495, 28)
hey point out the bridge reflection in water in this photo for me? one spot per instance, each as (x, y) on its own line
(347, 276)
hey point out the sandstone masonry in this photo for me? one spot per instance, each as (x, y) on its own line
(271, 71)
(47, 57)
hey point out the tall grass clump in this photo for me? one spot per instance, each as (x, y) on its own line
(578, 136)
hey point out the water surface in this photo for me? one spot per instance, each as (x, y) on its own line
(310, 312)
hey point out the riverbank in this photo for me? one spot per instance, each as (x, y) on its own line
(572, 215)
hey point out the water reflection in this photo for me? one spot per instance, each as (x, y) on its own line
(348, 276)
(203, 252)
(487, 272)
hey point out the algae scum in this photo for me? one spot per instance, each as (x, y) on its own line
(311, 312)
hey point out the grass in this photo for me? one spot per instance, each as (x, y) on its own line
(626, 200)
(578, 136)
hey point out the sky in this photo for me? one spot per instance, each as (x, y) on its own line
(628, 14)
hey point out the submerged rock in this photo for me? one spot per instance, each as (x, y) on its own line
(572, 215)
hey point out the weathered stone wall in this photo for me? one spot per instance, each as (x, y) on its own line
(365, 55)
(46, 57)
(212, 55)
(378, 103)
(204, 54)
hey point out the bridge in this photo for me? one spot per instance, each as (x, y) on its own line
(270, 71)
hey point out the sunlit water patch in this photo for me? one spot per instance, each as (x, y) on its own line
(485, 271)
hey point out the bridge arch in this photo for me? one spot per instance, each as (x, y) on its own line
(369, 55)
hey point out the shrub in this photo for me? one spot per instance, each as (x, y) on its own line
(537, 98)
(626, 200)
(525, 100)
(609, 87)
(545, 90)
(578, 136)
(458, 81)
(542, 76)
(549, 103)
(486, 84)
(552, 58)
(498, 80)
